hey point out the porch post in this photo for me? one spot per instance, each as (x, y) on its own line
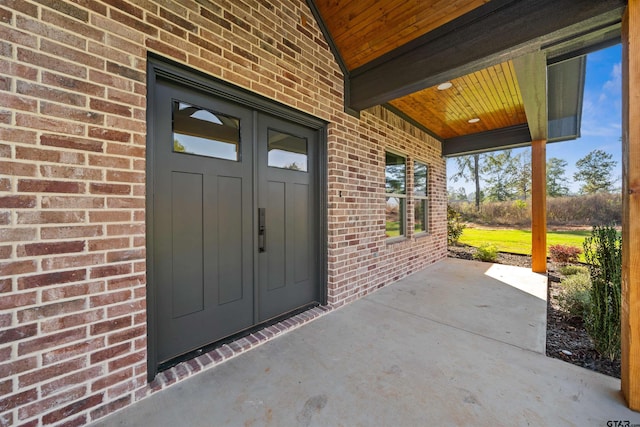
(630, 315)
(539, 206)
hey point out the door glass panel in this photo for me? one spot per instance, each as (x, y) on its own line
(287, 151)
(205, 133)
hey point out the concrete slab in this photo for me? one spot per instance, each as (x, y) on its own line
(404, 356)
(501, 302)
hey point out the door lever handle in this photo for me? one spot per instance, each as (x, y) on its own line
(262, 232)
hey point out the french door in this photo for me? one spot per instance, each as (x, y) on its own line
(235, 218)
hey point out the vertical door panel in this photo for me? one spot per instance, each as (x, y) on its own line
(229, 206)
(187, 284)
(275, 238)
(301, 232)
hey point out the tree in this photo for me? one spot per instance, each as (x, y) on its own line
(292, 166)
(472, 196)
(500, 170)
(555, 177)
(457, 194)
(522, 175)
(395, 178)
(469, 170)
(594, 170)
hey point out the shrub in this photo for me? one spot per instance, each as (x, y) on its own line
(564, 254)
(574, 297)
(454, 226)
(592, 209)
(506, 213)
(570, 270)
(486, 252)
(603, 252)
(519, 205)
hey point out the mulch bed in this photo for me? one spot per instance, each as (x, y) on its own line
(567, 338)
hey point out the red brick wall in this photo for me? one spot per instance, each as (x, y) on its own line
(72, 181)
(360, 257)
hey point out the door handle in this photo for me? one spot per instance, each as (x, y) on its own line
(262, 232)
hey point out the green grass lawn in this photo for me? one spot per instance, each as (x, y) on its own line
(519, 241)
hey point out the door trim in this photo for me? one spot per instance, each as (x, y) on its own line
(161, 68)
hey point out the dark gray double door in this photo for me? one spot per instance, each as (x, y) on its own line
(234, 218)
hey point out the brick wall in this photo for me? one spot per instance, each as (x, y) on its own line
(72, 181)
(360, 258)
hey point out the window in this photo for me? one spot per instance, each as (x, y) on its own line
(287, 151)
(420, 197)
(395, 188)
(205, 133)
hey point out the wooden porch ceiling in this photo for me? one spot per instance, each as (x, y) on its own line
(491, 95)
(493, 52)
(364, 30)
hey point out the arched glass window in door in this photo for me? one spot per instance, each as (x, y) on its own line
(205, 133)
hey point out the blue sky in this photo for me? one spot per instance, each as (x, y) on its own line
(601, 118)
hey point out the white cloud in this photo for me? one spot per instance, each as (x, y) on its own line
(607, 130)
(602, 107)
(588, 106)
(614, 84)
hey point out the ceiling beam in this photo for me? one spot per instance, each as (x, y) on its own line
(499, 139)
(493, 33)
(531, 72)
(585, 44)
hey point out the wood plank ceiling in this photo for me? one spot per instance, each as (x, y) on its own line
(381, 42)
(491, 95)
(367, 29)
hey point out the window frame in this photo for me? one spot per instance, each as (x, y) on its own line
(419, 199)
(209, 152)
(402, 199)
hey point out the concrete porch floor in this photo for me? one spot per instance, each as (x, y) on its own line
(459, 343)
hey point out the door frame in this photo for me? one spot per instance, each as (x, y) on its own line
(167, 70)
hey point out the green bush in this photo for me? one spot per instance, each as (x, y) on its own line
(486, 252)
(519, 205)
(454, 226)
(569, 270)
(575, 297)
(563, 254)
(603, 252)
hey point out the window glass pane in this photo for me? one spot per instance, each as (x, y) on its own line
(287, 151)
(419, 179)
(205, 133)
(394, 215)
(420, 215)
(395, 173)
